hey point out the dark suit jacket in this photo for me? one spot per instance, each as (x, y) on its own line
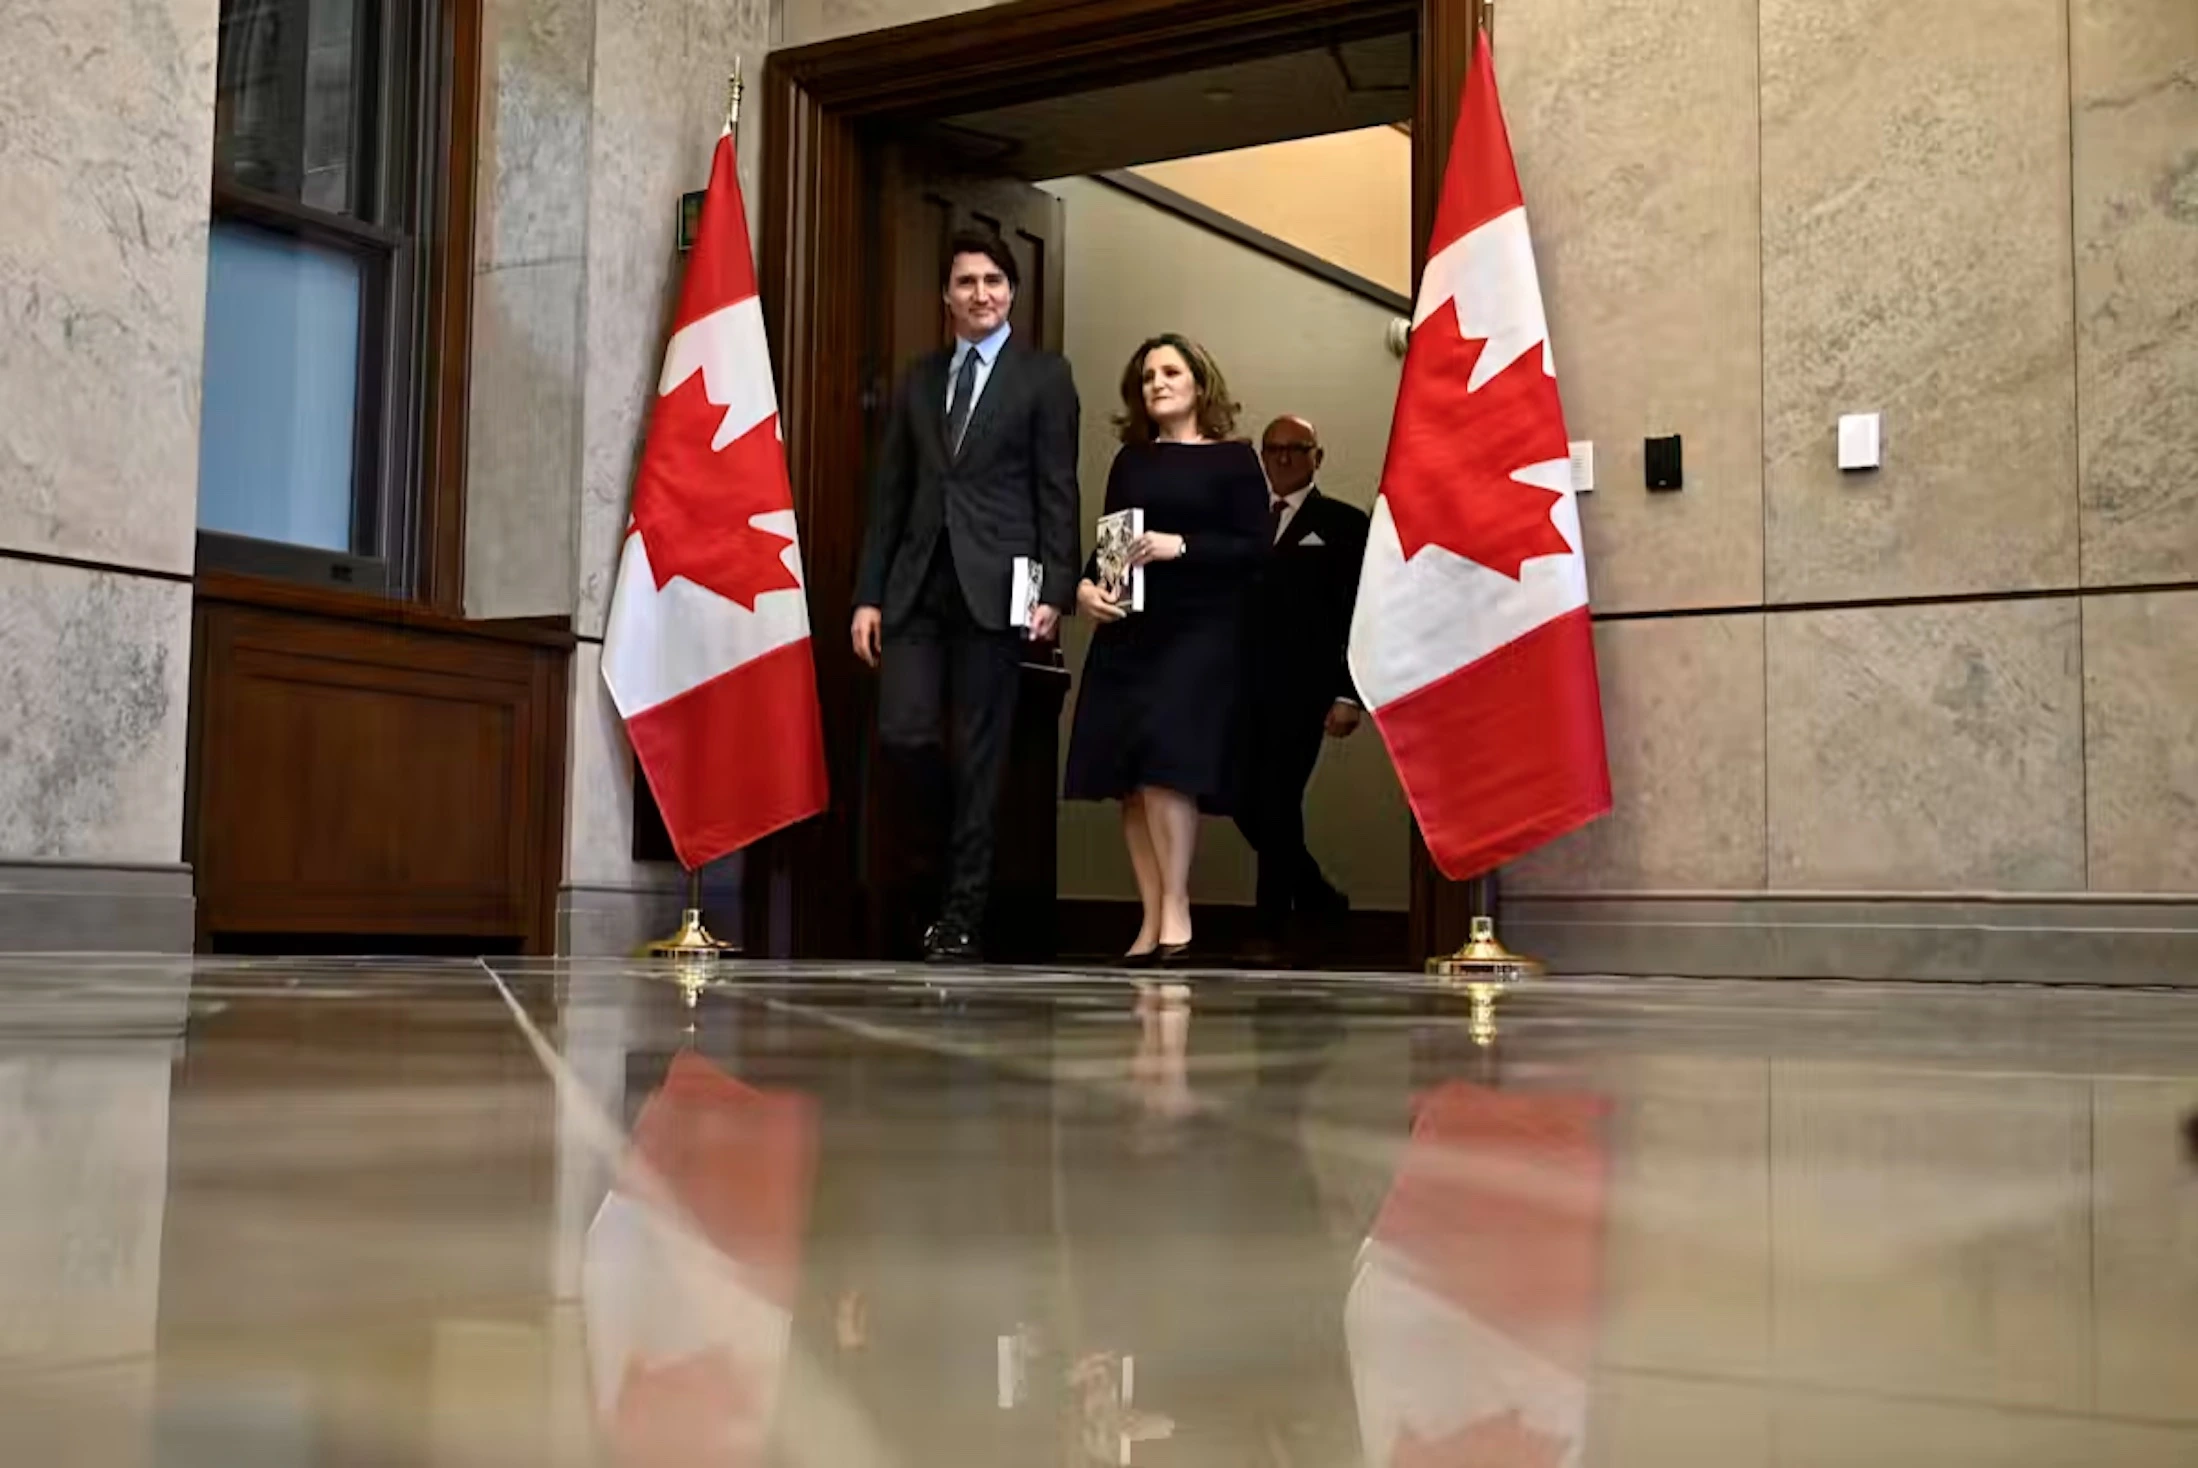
(1012, 491)
(1300, 615)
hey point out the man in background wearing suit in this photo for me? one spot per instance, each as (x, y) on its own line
(978, 467)
(1297, 683)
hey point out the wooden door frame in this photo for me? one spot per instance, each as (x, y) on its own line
(818, 102)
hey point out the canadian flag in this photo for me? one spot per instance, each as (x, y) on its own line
(707, 650)
(1472, 1316)
(689, 1272)
(1471, 641)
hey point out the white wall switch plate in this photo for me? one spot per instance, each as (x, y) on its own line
(1859, 441)
(1583, 466)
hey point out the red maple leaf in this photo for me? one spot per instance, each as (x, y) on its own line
(1490, 1442)
(692, 504)
(1453, 452)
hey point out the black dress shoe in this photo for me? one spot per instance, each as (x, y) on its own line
(1150, 958)
(1173, 955)
(943, 942)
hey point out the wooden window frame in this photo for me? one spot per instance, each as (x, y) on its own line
(409, 452)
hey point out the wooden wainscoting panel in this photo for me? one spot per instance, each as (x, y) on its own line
(392, 779)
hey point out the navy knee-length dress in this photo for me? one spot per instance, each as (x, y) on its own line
(1159, 697)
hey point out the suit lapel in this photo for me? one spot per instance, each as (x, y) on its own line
(1301, 523)
(999, 384)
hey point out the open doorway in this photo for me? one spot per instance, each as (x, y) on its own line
(1121, 133)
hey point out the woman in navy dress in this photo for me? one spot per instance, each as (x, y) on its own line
(1154, 717)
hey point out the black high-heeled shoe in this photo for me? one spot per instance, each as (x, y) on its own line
(1173, 955)
(1150, 958)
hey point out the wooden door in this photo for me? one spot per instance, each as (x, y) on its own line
(923, 205)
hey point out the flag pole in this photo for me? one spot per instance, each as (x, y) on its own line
(1484, 968)
(693, 950)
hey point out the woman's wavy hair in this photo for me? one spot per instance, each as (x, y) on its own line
(1216, 409)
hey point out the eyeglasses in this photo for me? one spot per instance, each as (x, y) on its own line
(1286, 450)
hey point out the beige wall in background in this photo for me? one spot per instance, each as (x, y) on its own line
(1333, 196)
(1756, 215)
(1289, 343)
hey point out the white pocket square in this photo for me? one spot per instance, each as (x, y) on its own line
(1312, 538)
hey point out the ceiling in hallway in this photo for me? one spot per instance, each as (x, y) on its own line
(1355, 84)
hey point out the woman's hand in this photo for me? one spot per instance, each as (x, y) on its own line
(1096, 604)
(1155, 545)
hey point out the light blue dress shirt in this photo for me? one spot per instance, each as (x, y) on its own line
(988, 352)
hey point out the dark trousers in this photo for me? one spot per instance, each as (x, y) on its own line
(946, 705)
(1280, 748)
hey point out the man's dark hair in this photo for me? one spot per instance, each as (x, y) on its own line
(980, 242)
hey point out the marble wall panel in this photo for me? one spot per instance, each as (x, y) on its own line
(106, 146)
(1929, 1237)
(523, 442)
(2141, 741)
(94, 684)
(1926, 748)
(1683, 718)
(1651, 270)
(1916, 263)
(2135, 82)
(824, 20)
(532, 204)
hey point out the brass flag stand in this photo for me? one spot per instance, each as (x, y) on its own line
(693, 950)
(1485, 970)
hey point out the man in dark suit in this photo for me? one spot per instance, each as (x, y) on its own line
(1297, 682)
(978, 467)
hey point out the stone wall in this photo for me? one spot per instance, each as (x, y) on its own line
(105, 151)
(1754, 216)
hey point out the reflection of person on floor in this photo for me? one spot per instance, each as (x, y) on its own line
(1199, 1249)
(978, 467)
(1297, 685)
(1154, 719)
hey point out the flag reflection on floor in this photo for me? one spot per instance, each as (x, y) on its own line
(690, 1270)
(1472, 1313)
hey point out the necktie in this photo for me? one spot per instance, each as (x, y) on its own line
(965, 397)
(1275, 512)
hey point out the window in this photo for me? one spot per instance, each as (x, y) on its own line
(328, 131)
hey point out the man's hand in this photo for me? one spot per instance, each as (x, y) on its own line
(1343, 719)
(868, 630)
(1043, 621)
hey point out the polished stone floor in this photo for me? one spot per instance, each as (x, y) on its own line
(334, 1215)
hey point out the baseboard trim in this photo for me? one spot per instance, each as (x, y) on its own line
(1094, 929)
(1975, 937)
(91, 907)
(595, 921)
